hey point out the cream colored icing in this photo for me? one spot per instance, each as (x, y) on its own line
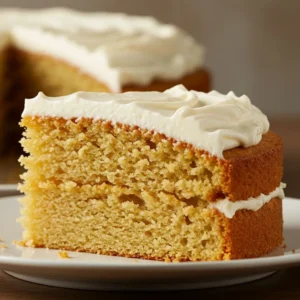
(210, 121)
(229, 208)
(116, 49)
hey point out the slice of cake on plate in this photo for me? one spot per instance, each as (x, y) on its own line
(175, 176)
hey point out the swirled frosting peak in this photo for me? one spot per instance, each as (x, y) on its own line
(210, 121)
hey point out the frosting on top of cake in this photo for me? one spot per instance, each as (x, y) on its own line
(114, 48)
(210, 121)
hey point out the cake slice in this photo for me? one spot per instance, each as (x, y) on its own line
(174, 176)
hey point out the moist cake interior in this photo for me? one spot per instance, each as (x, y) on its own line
(159, 176)
(100, 175)
(118, 190)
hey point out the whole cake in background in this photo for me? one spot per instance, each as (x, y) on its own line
(175, 176)
(60, 51)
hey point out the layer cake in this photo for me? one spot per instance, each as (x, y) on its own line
(177, 175)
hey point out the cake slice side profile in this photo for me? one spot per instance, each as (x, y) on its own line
(159, 183)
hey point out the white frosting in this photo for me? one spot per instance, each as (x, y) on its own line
(114, 48)
(229, 208)
(212, 122)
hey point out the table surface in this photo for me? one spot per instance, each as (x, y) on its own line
(281, 285)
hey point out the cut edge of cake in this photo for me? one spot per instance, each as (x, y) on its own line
(116, 189)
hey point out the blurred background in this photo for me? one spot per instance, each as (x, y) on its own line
(252, 47)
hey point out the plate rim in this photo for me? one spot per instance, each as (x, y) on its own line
(276, 262)
(8, 187)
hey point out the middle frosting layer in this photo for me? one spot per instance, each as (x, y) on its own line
(212, 122)
(229, 208)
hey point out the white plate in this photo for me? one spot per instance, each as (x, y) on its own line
(90, 271)
(8, 189)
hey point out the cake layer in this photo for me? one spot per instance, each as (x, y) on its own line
(254, 170)
(92, 152)
(115, 49)
(89, 152)
(208, 121)
(54, 77)
(115, 220)
(38, 72)
(254, 233)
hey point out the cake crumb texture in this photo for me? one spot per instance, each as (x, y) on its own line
(248, 232)
(107, 219)
(63, 254)
(112, 189)
(93, 152)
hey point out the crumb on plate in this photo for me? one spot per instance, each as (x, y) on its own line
(63, 254)
(3, 246)
(24, 244)
(293, 251)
